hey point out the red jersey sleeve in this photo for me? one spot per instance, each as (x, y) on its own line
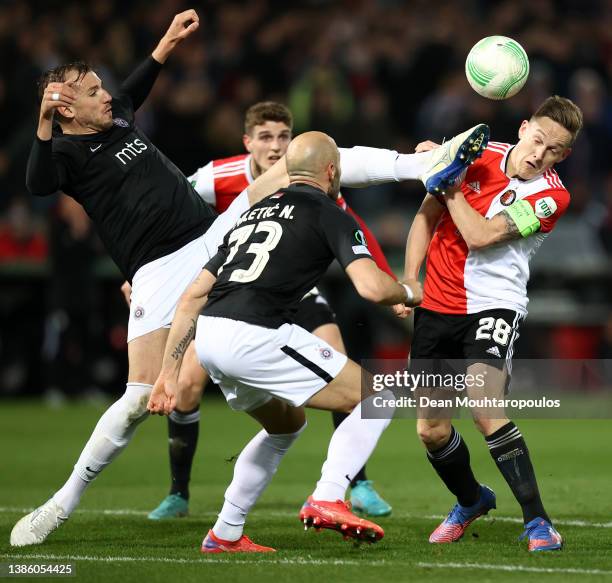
(549, 206)
(373, 244)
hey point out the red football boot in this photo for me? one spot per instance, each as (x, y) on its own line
(212, 544)
(338, 516)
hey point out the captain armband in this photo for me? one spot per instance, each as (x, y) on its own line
(524, 217)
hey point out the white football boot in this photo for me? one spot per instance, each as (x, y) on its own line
(449, 162)
(34, 528)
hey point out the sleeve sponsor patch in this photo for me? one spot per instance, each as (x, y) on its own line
(545, 207)
(360, 250)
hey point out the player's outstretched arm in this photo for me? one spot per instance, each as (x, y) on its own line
(376, 286)
(182, 332)
(139, 84)
(517, 221)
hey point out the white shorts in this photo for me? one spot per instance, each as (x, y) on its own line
(158, 285)
(252, 364)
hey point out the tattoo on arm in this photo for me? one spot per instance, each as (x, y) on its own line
(511, 231)
(181, 347)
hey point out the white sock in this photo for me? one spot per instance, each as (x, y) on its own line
(254, 468)
(111, 435)
(411, 166)
(363, 166)
(349, 449)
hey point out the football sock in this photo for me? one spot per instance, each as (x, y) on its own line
(452, 464)
(363, 166)
(254, 468)
(349, 448)
(361, 474)
(110, 436)
(509, 451)
(411, 166)
(183, 429)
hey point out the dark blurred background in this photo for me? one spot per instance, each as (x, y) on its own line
(377, 73)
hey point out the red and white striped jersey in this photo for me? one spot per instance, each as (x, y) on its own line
(221, 181)
(460, 281)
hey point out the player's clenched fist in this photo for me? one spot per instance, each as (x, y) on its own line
(56, 95)
(163, 398)
(182, 26)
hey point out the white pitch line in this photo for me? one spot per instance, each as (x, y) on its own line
(488, 567)
(277, 514)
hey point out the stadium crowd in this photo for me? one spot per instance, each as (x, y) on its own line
(381, 73)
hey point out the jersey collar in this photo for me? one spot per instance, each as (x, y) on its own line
(303, 187)
(247, 169)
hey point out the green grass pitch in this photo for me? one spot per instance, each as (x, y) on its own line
(110, 539)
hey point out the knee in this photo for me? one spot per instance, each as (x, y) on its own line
(189, 393)
(134, 401)
(433, 436)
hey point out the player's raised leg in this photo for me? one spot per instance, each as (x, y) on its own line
(437, 167)
(183, 430)
(256, 465)
(111, 435)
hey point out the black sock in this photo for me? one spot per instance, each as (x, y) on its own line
(361, 474)
(183, 429)
(509, 451)
(452, 463)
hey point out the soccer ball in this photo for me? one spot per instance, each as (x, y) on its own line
(497, 67)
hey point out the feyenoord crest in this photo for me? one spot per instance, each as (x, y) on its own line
(508, 197)
(326, 353)
(139, 312)
(118, 121)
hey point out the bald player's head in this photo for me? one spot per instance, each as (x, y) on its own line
(313, 157)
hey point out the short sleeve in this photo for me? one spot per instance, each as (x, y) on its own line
(549, 206)
(204, 183)
(343, 235)
(372, 243)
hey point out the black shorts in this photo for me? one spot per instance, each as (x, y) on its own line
(314, 311)
(487, 336)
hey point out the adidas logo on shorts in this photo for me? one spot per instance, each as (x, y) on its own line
(494, 351)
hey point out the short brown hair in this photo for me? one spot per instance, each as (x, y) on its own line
(564, 111)
(264, 111)
(60, 73)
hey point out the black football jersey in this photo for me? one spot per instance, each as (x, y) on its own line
(277, 252)
(142, 205)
